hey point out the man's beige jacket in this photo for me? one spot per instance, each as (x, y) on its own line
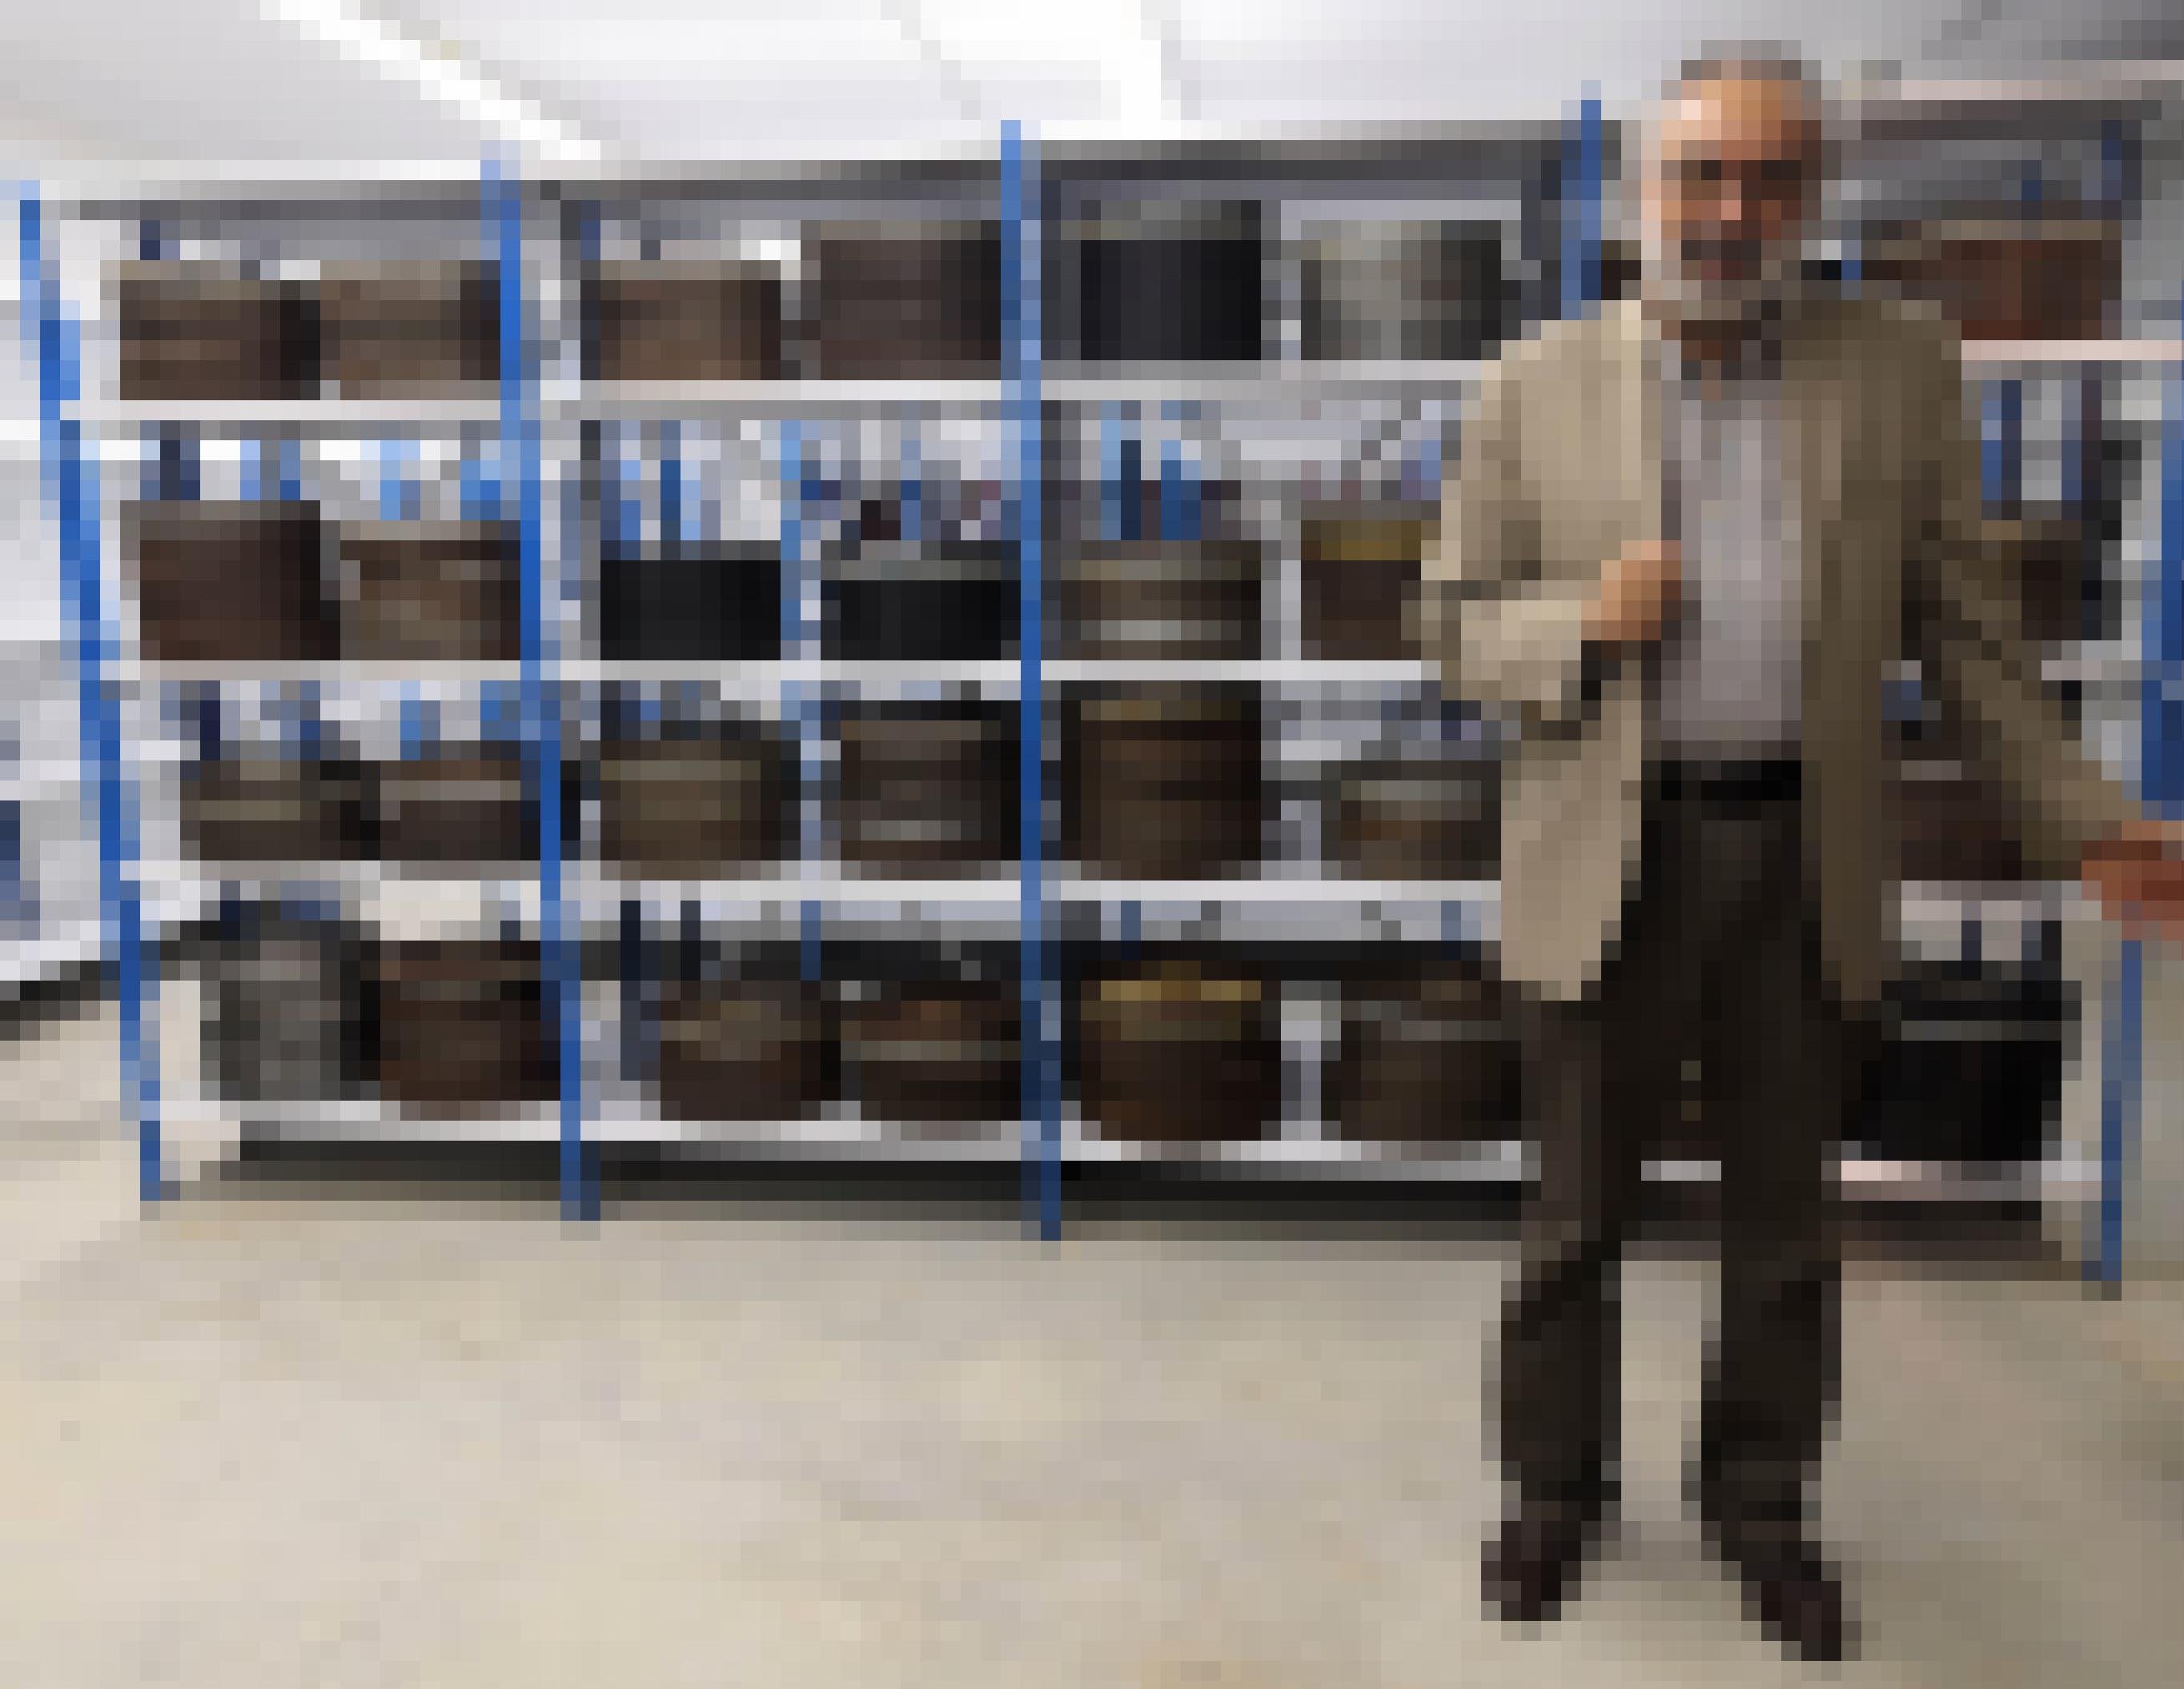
(1561, 468)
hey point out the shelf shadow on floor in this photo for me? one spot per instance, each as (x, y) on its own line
(1096, 1201)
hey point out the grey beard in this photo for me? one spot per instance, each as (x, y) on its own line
(1692, 303)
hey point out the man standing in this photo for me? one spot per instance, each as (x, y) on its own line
(1685, 542)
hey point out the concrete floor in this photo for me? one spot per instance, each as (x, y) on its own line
(289, 1436)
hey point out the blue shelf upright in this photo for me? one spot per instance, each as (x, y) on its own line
(1020, 328)
(71, 476)
(2161, 779)
(519, 455)
(1583, 180)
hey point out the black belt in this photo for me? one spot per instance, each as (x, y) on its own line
(1775, 780)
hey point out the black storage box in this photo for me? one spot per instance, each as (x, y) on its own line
(1968, 1067)
(1164, 283)
(686, 603)
(901, 602)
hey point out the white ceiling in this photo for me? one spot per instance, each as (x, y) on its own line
(150, 83)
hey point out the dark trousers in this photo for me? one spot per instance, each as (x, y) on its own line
(1717, 963)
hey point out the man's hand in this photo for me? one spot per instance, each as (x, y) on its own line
(1639, 592)
(2137, 874)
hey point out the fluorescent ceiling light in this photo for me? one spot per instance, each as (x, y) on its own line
(434, 70)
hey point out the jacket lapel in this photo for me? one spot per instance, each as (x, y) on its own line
(1640, 409)
(1817, 440)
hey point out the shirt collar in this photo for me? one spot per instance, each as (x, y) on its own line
(1756, 367)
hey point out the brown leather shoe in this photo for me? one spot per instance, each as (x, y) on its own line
(1534, 1563)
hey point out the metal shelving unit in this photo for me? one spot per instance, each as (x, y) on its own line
(547, 427)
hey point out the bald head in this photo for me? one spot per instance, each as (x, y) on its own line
(1730, 179)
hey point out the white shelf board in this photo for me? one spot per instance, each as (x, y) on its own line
(322, 416)
(1271, 379)
(2088, 668)
(1001, 671)
(618, 401)
(338, 671)
(2030, 900)
(1490, 1163)
(24, 961)
(1270, 671)
(1000, 1140)
(1068, 383)
(1513, 1162)
(422, 883)
(400, 907)
(2071, 352)
(348, 870)
(371, 1122)
(2053, 1181)
(590, 881)
(1316, 890)
(1004, 671)
(43, 787)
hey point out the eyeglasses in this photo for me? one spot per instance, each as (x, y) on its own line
(1785, 181)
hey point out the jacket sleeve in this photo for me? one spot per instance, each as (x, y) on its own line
(1970, 612)
(1498, 635)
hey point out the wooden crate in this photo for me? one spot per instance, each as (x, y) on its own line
(1415, 817)
(744, 1050)
(431, 592)
(934, 1052)
(697, 807)
(401, 329)
(686, 320)
(257, 808)
(2046, 278)
(227, 582)
(1176, 1052)
(1163, 781)
(908, 301)
(1360, 570)
(1427, 1056)
(928, 787)
(457, 807)
(463, 1026)
(1166, 601)
(198, 332)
